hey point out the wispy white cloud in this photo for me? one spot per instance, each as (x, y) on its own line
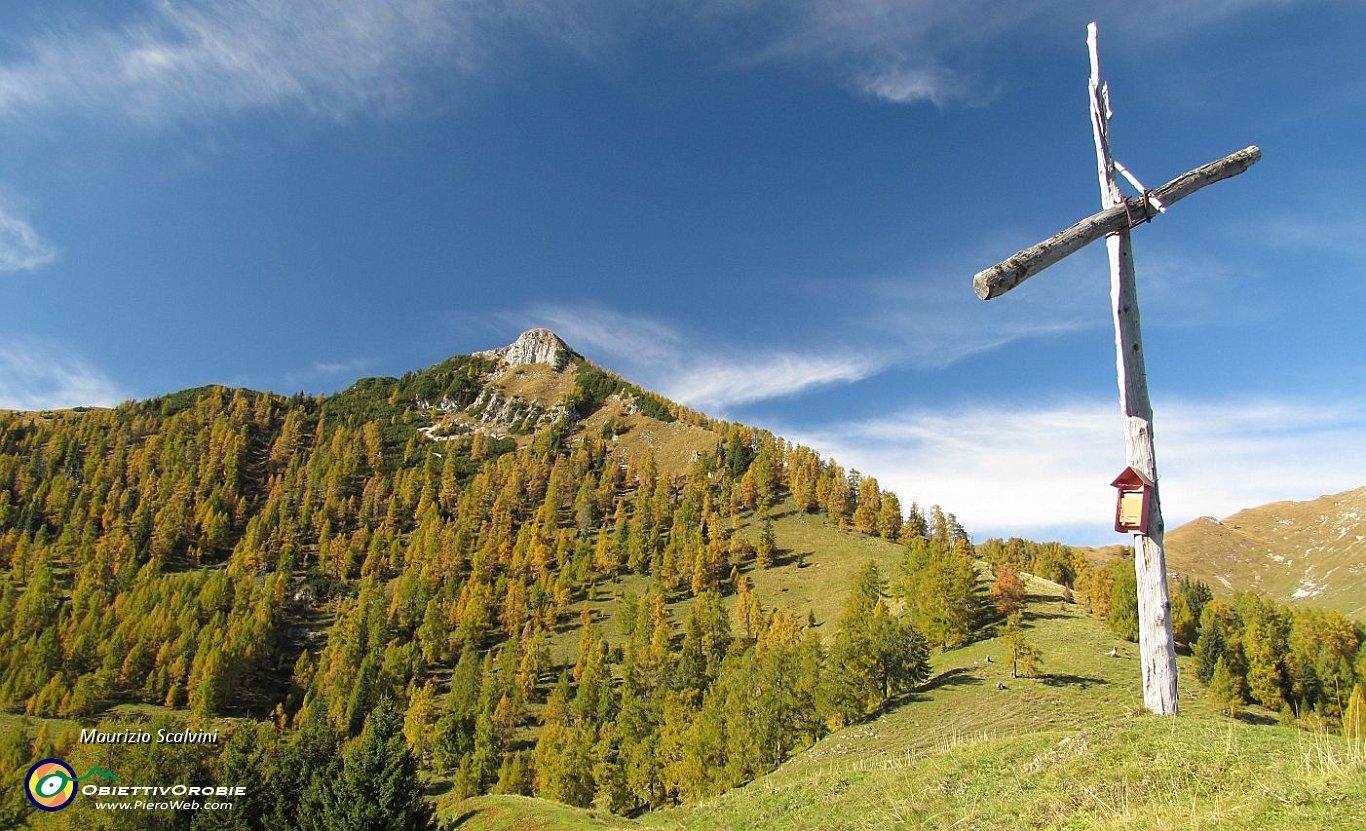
(931, 319)
(595, 330)
(191, 61)
(1031, 470)
(710, 376)
(340, 367)
(195, 60)
(724, 382)
(921, 321)
(1156, 20)
(1184, 287)
(41, 375)
(903, 51)
(918, 51)
(925, 320)
(324, 372)
(1331, 229)
(909, 85)
(21, 248)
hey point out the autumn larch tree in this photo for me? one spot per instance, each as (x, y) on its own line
(1008, 591)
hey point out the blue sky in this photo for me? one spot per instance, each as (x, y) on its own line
(770, 211)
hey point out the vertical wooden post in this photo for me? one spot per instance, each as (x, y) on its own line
(1156, 647)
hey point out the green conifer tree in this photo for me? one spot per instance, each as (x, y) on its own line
(1025, 656)
(1212, 642)
(1226, 689)
(768, 544)
(563, 759)
(889, 519)
(1354, 719)
(939, 583)
(1122, 615)
(378, 788)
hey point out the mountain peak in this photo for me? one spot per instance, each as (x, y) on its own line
(534, 346)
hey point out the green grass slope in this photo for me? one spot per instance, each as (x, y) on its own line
(1068, 749)
(521, 813)
(813, 570)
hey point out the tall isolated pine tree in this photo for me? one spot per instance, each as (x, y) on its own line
(1025, 655)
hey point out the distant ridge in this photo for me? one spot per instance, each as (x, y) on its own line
(1312, 552)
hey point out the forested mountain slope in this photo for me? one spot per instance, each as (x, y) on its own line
(436, 547)
(511, 573)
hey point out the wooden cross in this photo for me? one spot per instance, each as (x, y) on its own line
(1114, 222)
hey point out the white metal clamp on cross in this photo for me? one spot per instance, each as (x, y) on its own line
(1118, 216)
(1147, 194)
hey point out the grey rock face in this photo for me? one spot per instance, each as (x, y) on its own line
(534, 346)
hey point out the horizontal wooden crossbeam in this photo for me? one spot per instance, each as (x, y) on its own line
(1009, 273)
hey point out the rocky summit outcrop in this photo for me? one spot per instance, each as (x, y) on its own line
(534, 346)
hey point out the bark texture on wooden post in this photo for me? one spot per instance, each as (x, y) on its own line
(1157, 649)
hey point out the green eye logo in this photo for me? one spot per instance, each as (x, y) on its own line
(51, 784)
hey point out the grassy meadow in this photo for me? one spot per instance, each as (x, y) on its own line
(975, 748)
